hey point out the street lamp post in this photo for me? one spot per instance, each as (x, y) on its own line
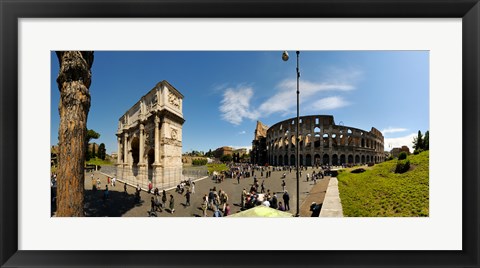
(297, 160)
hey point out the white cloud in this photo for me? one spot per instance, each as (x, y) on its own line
(390, 143)
(242, 132)
(329, 103)
(341, 75)
(235, 105)
(393, 130)
(285, 99)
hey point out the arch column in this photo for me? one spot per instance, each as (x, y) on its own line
(141, 159)
(119, 164)
(127, 167)
(157, 166)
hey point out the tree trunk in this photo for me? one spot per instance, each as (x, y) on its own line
(73, 81)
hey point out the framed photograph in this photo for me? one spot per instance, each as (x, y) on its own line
(442, 37)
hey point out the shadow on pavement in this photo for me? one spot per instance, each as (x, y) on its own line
(117, 204)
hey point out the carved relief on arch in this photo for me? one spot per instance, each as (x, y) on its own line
(149, 137)
(173, 100)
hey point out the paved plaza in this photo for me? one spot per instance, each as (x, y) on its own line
(120, 204)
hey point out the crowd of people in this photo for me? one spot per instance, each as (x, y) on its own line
(255, 185)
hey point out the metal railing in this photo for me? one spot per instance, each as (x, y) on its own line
(166, 179)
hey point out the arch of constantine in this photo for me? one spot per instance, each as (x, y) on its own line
(321, 141)
(149, 139)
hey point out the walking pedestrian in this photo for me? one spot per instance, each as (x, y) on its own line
(227, 210)
(187, 197)
(274, 203)
(205, 205)
(152, 205)
(286, 200)
(283, 185)
(94, 186)
(244, 195)
(193, 187)
(164, 199)
(125, 189)
(172, 204)
(211, 197)
(217, 213)
(224, 200)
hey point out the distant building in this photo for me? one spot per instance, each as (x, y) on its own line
(258, 153)
(93, 147)
(320, 142)
(225, 150)
(240, 152)
(396, 151)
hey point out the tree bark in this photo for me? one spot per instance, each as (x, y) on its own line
(73, 81)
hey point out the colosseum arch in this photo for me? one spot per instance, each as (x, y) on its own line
(326, 159)
(308, 160)
(335, 160)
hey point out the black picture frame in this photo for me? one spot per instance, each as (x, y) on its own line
(11, 11)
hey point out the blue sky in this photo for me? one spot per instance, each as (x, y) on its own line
(226, 92)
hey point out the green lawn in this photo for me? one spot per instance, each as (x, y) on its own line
(379, 192)
(98, 161)
(217, 168)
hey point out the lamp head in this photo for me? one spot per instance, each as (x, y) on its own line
(285, 56)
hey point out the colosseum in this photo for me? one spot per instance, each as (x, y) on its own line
(321, 141)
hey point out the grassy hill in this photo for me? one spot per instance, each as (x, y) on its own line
(379, 192)
(100, 162)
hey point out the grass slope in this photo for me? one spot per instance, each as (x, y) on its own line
(99, 162)
(217, 168)
(379, 192)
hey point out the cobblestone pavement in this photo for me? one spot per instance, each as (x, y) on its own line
(123, 205)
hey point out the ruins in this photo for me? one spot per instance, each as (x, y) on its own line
(321, 142)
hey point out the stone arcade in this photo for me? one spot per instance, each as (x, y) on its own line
(321, 141)
(149, 139)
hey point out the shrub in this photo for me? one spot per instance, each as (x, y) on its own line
(199, 161)
(226, 158)
(417, 151)
(402, 166)
(358, 170)
(402, 155)
(390, 158)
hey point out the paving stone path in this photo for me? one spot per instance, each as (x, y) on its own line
(124, 205)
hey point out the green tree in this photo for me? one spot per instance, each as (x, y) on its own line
(418, 141)
(226, 158)
(102, 151)
(426, 144)
(91, 134)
